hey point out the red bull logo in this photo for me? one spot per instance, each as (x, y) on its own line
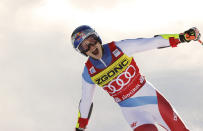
(79, 36)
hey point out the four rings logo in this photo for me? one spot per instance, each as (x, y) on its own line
(122, 80)
(115, 71)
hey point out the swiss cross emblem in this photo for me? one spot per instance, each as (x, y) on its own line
(92, 70)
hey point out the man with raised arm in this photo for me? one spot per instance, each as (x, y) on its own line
(111, 67)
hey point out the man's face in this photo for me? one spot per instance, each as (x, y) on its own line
(93, 47)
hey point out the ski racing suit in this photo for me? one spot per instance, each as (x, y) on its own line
(118, 74)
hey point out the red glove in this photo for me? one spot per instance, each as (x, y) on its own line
(82, 123)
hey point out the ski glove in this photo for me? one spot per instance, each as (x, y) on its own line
(83, 122)
(191, 34)
(78, 129)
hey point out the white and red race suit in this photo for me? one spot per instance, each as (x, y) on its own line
(119, 75)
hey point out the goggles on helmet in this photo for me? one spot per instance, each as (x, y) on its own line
(87, 43)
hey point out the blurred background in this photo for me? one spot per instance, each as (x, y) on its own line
(40, 72)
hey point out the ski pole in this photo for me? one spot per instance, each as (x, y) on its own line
(200, 42)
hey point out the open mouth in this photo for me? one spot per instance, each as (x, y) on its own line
(95, 52)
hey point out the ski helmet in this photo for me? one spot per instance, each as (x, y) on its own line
(81, 33)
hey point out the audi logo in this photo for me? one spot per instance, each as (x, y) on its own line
(122, 80)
